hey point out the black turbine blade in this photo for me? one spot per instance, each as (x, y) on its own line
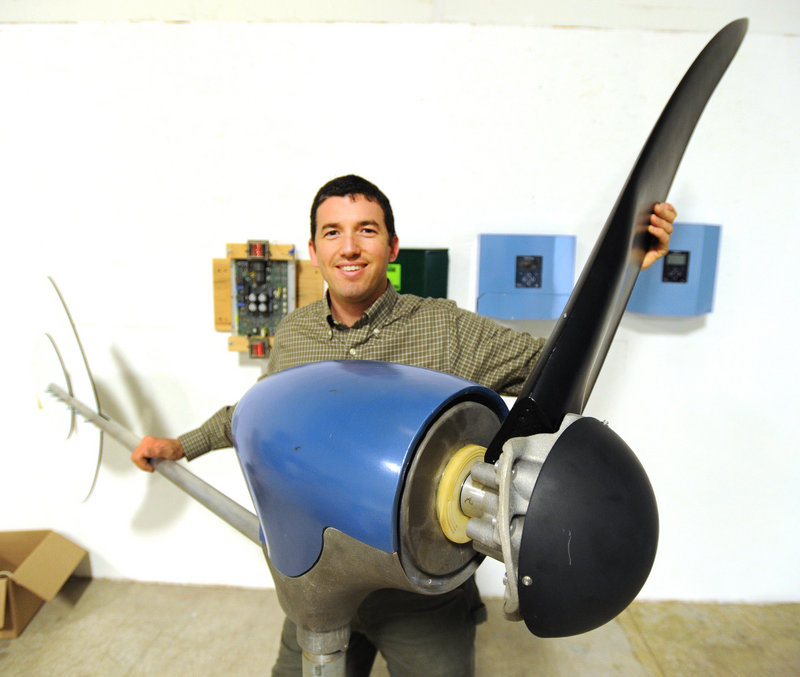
(565, 374)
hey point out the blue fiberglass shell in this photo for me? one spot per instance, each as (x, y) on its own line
(328, 444)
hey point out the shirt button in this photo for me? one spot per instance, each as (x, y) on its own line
(352, 351)
(376, 331)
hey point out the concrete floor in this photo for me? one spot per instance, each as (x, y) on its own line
(111, 628)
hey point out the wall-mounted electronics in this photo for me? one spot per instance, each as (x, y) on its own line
(255, 287)
(525, 277)
(682, 282)
(420, 271)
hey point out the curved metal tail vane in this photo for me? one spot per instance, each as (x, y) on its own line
(89, 374)
(565, 374)
(223, 507)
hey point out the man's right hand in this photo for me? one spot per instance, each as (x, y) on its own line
(156, 447)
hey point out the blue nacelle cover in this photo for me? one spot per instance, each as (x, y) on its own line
(328, 444)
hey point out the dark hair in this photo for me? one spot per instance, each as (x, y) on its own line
(349, 186)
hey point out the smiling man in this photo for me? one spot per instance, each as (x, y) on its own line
(352, 247)
(352, 242)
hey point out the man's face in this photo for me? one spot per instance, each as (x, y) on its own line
(351, 248)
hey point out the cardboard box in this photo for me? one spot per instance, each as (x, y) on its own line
(33, 567)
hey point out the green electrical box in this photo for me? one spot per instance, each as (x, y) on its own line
(420, 271)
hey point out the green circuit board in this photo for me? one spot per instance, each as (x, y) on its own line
(262, 295)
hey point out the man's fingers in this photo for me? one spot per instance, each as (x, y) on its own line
(141, 461)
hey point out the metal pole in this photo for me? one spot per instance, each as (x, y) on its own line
(324, 653)
(223, 507)
(328, 665)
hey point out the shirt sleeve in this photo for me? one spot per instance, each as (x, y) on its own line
(495, 356)
(215, 433)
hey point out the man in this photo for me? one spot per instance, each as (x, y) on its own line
(352, 242)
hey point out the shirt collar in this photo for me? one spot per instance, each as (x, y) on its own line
(377, 314)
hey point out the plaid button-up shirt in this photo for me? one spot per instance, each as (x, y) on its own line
(407, 329)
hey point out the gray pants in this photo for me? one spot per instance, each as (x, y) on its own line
(416, 634)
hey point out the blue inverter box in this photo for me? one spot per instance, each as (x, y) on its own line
(525, 277)
(683, 282)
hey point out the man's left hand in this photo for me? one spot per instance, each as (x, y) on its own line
(660, 228)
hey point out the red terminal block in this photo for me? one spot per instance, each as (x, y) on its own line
(258, 349)
(257, 249)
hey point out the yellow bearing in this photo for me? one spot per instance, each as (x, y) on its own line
(448, 495)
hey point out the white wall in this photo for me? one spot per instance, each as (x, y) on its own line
(769, 16)
(131, 153)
